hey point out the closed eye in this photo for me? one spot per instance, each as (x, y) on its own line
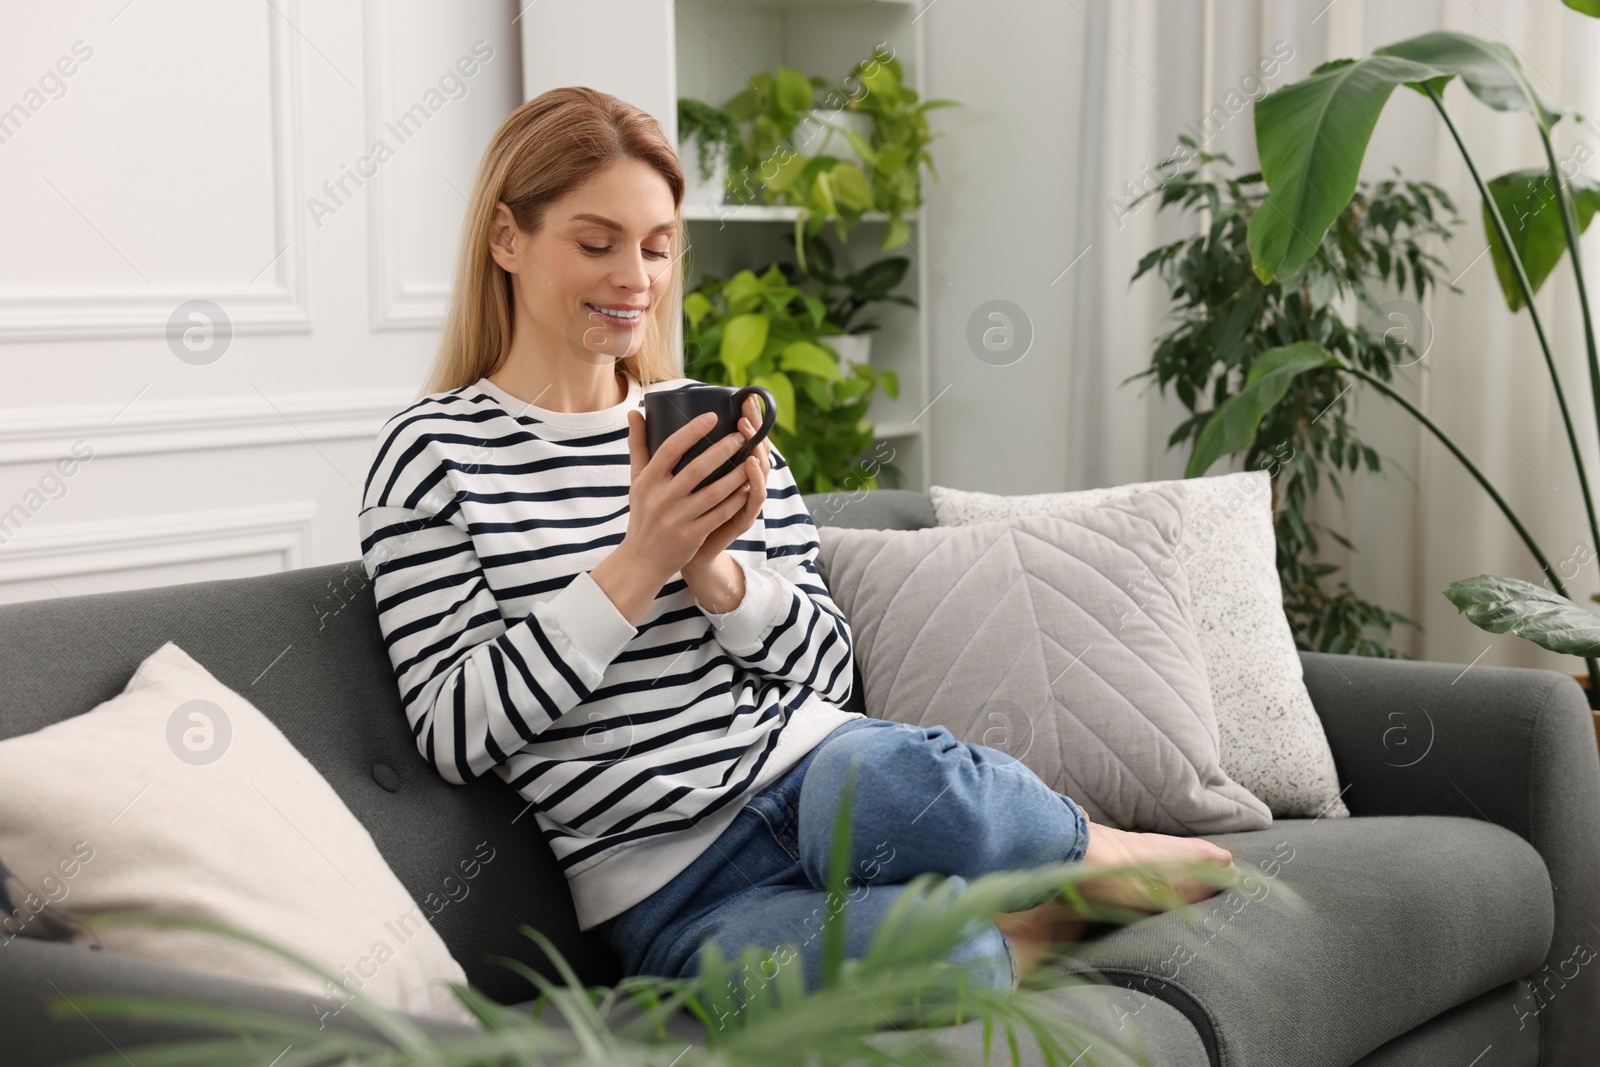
(601, 251)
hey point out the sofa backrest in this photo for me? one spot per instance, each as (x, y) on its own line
(876, 509)
(304, 647)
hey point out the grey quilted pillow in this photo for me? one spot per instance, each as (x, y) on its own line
(1065, 640)
(1272, 741)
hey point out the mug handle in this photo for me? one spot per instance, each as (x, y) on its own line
(771, 417)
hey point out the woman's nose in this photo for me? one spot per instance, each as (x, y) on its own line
(634, 275)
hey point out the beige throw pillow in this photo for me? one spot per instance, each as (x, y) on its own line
(178, 796)
(1064, 640)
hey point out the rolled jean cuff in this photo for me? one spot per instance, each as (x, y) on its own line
(1081, 846)
(989, 958)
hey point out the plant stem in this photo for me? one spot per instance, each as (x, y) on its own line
(1494, 494)
(1526, 289)
(1569, 225)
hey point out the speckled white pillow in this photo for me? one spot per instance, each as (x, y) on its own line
(1272, 741)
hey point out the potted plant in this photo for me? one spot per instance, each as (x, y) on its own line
(844, 298)
(1320, 127)
(710, 137)
(900, 140)
(1227, 317)
(763, 330)
(830, 187)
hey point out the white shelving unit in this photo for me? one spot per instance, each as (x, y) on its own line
(706, 49)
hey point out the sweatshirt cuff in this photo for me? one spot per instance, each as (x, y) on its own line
(740, 631)
(592, 623)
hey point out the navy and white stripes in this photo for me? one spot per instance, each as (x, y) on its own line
(480, 520)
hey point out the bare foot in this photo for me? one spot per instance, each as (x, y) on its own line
(1039, 931)
(1150, 855)
(1036, 933)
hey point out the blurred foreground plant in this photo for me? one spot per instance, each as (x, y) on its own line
(904, 982)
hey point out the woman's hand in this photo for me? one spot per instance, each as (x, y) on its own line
(667, 522)
(753, 491)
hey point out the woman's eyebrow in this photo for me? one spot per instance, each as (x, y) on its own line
(610, 225)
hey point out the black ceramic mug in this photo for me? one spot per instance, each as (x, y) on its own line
(666, 411)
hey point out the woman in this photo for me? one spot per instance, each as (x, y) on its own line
(659, 672)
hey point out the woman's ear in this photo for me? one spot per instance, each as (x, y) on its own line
(504, 238)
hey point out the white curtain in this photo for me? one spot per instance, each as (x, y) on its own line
(1153, 70)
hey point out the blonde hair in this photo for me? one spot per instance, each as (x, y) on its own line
(544, 150)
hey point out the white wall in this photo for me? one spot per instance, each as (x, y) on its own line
(176, 163)
(185, 158)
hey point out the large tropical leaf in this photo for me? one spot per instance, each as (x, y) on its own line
(1512, 605)
(1527, 202)
(1588, 7)
(1311, 137)
(1489, 70)
(1234, 422)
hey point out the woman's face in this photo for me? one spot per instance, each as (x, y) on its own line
(607, 244)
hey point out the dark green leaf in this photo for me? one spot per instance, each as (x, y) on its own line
(1489, 70)
(1512, 605)
(1233, 424)
(1312, 136)
(1532, 213)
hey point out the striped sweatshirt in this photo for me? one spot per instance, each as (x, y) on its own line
(636, 746)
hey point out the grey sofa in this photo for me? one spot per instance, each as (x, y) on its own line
(1452, 921)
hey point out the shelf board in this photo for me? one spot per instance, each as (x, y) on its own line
(804, 5)
(761, 213)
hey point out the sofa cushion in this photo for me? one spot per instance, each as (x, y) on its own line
(178, 797)
(1064, 640)
(1404, 918)
(306, 647)
(1271, 740)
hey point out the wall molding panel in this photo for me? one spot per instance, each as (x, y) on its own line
(43, 435)
(252, 306)
(66, 550)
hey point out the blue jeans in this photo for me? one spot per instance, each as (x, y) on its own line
(922, 801)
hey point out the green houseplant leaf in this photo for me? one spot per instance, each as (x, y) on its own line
(781, 387)
(743, 338)
(1490, 72)
(1587, 7)
(808, 357)
(1312, 136)
(1512, 605)
(1527, 201)
(1233, 423)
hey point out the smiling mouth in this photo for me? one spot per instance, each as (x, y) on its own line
(620, 318)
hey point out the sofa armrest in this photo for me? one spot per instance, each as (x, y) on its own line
(33, 973)
(1513, 746)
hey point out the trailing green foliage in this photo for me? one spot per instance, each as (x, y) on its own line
(1240, 346)
(763, 330)
(826, 186)
(715, 129)
(844, 297)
